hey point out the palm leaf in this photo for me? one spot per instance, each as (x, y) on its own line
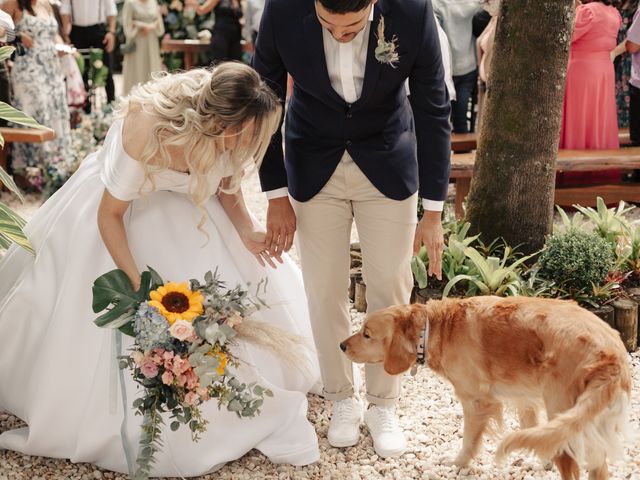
(454, 281)
(5, 52)
(7, 112)
(8, 182)
(11, 229)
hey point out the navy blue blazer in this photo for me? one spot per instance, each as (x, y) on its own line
(397, 142)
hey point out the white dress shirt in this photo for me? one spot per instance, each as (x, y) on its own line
(346, 63)
(6, 22)
(85, 13)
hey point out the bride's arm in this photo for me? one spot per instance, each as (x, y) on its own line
(252, 237)
(111, 226)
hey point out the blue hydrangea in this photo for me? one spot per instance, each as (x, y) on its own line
(151, 328)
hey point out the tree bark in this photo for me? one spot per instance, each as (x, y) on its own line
(514, 176)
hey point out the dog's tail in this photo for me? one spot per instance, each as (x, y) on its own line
(294, 350)
(590, 430)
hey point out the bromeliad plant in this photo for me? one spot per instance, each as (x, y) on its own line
(608, 222)
(181, 351)
(490, 275)
(453, 256)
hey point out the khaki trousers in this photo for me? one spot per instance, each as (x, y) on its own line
(386, 230)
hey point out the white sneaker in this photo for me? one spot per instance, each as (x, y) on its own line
(346, 417)
(388, 437)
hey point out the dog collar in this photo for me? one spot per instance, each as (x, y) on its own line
(421, 349)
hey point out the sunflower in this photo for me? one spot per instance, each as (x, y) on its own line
(176, 301)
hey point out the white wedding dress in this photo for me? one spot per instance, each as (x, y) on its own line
(57, 369)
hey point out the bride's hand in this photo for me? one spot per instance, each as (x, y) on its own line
(254, 242)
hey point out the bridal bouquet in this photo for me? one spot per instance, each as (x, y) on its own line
(180, 356)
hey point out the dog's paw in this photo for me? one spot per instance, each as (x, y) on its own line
(461, 461)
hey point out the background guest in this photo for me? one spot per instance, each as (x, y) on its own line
(142, 24)
(633, 47)
(589, 118)
(92, 24)
(456, 17)
(623, 62)
(226, 36)
(252, 20)
(484, 46)
(39, 88)
(7, 36)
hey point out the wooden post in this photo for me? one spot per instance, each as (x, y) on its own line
(426, 294)
(360, 301)
(355, 276)
(606, 313)
(626, 321)
(634, 293)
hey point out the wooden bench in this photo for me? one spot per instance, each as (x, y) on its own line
(568, 161)
(465, 142)
(22, 135)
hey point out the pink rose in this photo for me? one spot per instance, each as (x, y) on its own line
(192, 380)
(180, 365)
(149, 369)
(167, 355)
(167, 378)
(181, 329)
(191, 398)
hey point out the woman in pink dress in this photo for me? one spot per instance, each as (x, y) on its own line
(589, 118)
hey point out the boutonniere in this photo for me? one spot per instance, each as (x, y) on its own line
(386, 51)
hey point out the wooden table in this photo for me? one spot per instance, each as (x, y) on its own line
(190, 48)
(23, 135)
(567, 161)
(465, 142)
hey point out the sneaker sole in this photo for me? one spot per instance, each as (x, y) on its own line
(390, 453)
(345, 443)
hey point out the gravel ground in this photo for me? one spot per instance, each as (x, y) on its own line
(429, 414)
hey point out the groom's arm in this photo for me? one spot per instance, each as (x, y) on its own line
(431, 110)
(267, 62)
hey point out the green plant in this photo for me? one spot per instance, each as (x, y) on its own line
(453, 256)
(575, 222)
(575, 260)
(628, 251)
(533, 285)
(491, 275)
(11, 224)
(609, 222)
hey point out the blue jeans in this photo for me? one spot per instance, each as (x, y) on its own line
(460, 106)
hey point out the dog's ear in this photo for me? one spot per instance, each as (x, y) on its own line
(401, 351)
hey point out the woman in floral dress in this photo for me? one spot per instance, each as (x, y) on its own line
(623, 63)
(39, 89)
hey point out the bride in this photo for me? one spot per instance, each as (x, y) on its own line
(163, 191)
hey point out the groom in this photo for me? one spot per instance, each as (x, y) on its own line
(356, 150)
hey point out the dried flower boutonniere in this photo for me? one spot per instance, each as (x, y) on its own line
(386, 51)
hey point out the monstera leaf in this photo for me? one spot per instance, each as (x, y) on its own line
(113, 292)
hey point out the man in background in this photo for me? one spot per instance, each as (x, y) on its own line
(86, 26)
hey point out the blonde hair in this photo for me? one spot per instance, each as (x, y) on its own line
(194, 109)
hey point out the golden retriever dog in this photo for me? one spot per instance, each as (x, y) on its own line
(529, 351)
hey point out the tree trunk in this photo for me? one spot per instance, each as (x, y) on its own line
(513, 180)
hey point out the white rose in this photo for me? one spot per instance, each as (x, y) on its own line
(181, 329)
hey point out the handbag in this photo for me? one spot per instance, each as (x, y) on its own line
(128, 47)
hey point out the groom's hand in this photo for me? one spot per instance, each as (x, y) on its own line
(281, 226)
(429, 233)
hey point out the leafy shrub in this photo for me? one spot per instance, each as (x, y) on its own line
(576, 260)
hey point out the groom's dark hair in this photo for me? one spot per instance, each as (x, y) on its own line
(344, 6)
